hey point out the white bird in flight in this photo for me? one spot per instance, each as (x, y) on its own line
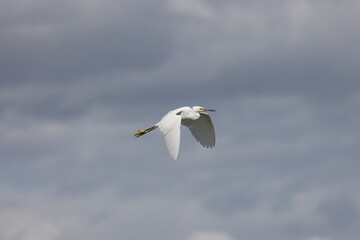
(194, 118)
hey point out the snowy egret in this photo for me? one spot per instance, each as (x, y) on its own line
(194, 118)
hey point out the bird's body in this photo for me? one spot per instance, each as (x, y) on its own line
(194, 118)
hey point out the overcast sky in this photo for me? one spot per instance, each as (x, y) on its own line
(78, 78)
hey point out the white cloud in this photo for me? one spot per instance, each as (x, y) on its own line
(103, 213)
(30, 219)
(210, 235)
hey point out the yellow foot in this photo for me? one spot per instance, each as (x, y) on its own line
(139, 133)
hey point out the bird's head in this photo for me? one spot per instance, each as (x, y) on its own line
(201, 109)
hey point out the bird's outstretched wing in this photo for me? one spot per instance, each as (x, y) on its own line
(202, 129)
(170, 127)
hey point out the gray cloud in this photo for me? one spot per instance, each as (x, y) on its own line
(77, 40)
(79, 78)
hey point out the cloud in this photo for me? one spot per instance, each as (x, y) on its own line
(80, 77)
(104, 212)
(209, 235)
(78, 40)
(317, 238)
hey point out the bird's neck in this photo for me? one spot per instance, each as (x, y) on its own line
(190, 115)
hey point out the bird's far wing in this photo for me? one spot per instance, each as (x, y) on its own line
(203, 130)
(170, 127)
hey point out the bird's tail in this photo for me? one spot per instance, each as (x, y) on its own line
(142, 132)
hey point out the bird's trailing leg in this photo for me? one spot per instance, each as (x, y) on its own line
(142, 132)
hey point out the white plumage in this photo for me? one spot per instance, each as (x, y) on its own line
(194, 118)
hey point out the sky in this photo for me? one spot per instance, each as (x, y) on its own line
(78, 78)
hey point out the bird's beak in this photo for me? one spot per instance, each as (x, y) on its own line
(208, 110)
